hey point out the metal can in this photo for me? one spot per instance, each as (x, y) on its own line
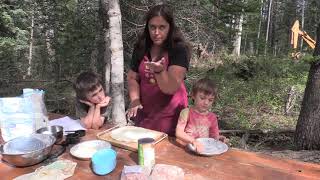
(146, 153)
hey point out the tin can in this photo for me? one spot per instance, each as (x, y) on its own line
(146, 153)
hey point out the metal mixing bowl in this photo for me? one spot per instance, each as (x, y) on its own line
(56, 131)
(27, 150)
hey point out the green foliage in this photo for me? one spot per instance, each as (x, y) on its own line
(253, 91)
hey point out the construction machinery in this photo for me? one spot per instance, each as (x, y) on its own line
(295, 33)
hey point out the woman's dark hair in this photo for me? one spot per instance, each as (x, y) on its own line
(205, 85)
(174, 37)
(85, 83)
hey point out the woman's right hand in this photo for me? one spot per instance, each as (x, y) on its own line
(133, 108)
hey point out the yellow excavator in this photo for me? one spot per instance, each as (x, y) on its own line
(295, 33)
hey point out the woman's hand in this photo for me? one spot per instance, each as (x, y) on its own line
(157, 66)
(133, 108)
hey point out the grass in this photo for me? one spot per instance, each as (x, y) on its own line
(253, 90)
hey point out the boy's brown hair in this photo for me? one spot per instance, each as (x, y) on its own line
(205, 85)
(86, 82)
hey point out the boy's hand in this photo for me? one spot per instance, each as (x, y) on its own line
(133, 108)
(199, 146)
(104, 102)
(87, 103)
(223, 139)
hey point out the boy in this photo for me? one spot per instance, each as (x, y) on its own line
(197, 121)
(91, 101)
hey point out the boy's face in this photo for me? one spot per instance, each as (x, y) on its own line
(96, 96)
(202, 101)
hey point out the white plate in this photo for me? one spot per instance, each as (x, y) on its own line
(212, 146)
(132, 134)
(86, 149)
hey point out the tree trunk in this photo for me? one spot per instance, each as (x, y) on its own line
(307, 134)
(117, 68)
(302, 21)
(30, 47)
(259, 27)
(268, 26)
(237, 38)
(106, 40)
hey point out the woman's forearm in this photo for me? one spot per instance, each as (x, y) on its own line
(134, 87)
(170, 81)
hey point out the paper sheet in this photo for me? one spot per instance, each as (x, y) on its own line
(67, 123)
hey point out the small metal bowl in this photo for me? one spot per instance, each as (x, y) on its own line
(56, 131)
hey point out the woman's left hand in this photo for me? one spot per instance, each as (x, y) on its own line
(157, 66)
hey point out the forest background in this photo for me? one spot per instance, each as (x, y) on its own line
(243, 45)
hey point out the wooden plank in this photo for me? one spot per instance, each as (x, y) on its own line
(242, 164)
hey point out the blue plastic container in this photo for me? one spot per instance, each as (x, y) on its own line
(104, 161)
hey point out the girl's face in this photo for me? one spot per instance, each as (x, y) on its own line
(202, 101)
(158, 29)
(96, 96)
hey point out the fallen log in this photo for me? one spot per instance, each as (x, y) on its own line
(257, 131)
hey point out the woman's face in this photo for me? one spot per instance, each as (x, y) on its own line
(158, 30)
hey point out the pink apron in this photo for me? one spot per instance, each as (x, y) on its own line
(160, 111)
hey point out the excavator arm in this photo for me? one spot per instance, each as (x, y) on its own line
(295, 33)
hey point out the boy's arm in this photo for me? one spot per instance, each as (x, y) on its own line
(214, 129)
(98, 120)
(182, 122)
(87, 120)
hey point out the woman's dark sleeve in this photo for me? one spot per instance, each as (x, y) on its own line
(134, 65)
(179, 56)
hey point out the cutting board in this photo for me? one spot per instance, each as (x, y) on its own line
(132, 146)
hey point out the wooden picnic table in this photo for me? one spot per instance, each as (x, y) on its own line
(234, 164)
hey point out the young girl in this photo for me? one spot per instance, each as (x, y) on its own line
(197, 121)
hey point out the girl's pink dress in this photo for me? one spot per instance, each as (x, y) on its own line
(160, 111)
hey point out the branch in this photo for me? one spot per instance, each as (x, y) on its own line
(138, 25)
(257, 131)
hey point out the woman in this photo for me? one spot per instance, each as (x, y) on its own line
(159, 64)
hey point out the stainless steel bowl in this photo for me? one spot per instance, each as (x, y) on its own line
(56, 131)
(27, 150)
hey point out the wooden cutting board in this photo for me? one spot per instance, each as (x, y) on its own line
(132, 146)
